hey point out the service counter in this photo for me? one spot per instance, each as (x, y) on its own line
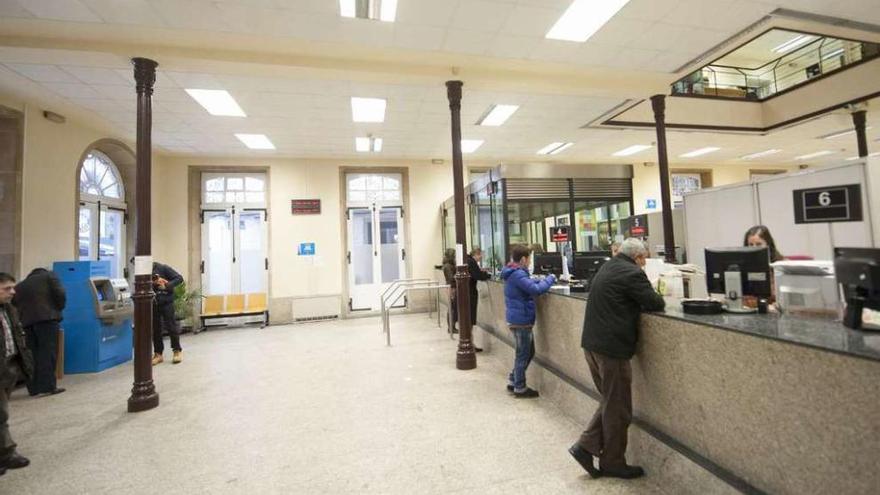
(724, 403)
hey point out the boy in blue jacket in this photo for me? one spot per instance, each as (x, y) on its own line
(519, 302)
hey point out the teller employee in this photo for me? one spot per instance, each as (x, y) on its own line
(759, 236)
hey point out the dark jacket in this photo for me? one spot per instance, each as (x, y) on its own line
(174, 279)
(520, 292)
(475, 273)
(39, 298)
(24, 357)
(619, 293)
(449, 274)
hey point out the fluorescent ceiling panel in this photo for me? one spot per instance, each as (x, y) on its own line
(470, 145)
(367, 109)
(217, 102)
(814, 155)
(760, 154)
(381, 10)
(632, 150)
(833, 54)
(583, 18)
(256, 141)
(497, 115)
(388, 10)
(876, 153)
(793, 43)
(554, 148)
(700, 151)
(367, 144)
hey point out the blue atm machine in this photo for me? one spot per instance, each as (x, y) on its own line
(98, 316)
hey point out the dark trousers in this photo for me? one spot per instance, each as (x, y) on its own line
(606, 436)
(42, 339)
(474, 298)
(164, 321)
(7, 384)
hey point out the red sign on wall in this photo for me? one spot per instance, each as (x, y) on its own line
(559, 234)
(305, 206)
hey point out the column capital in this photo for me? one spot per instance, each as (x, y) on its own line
(453, 92)
(144, 74)
(658, 103)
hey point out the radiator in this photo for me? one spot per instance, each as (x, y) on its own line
(315, 308)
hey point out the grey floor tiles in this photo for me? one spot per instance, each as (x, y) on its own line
(323, 408)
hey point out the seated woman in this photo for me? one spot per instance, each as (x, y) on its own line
(759, 236)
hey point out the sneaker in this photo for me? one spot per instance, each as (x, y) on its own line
(158, 358)
(528, 393)
(510, 388)
(178, 357)
(585, 459)
(17, 461)
(626, 472)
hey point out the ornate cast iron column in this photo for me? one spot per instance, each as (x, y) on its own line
(658, 103)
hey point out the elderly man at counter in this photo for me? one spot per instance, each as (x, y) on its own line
(620, 292)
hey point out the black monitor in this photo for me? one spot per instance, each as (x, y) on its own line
(587, 264)
(752, 264)
(548, 263)
(858, 272)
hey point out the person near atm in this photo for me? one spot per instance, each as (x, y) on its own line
(165, 279)
(16, 363)
(40, 301)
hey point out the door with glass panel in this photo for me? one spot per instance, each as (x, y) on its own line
(102, 213)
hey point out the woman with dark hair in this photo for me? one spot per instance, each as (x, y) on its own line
(759, 236)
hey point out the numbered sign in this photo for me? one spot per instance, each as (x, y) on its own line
(560, 233)
(828, 204)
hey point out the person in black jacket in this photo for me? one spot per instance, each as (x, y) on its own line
(15, 362)
(476, 274)
(40, 299)
(619, 293)
(165, 279)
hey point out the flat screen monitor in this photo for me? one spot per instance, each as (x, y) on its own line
(586, 265)
(858, 272)
(548, 263)
(753, 264)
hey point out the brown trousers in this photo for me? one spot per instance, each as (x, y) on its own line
(606, 436)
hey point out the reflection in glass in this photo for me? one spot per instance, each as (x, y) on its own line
(389, 241)
(218, 270)
(110, 244)
(251, 258)
(362, 245)
(85, 233)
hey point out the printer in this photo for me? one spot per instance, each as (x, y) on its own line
(806, 286)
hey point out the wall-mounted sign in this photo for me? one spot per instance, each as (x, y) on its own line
(306, 249)
(559, 234)
(828, 204)
(638, 226)
(651, 204)
(305, 206)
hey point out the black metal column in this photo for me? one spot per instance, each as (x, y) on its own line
(658, 103)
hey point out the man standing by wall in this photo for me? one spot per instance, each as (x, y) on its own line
(40, 299)
(618, 295)
(15, 363)
(165, 279)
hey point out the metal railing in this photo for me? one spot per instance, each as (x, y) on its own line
(398, 289)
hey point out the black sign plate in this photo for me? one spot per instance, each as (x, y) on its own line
(828, 204)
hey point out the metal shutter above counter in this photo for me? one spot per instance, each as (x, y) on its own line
(537, 189)
(602, 188)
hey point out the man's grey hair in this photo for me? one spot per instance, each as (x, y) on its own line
(633, 248)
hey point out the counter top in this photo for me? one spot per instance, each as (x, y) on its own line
(811, 331)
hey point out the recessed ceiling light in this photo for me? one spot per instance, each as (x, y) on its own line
(367, 144)
(700, 151)
(554, 148)
(632, 150)
(583, 18)
(841, 133)
(814, 155)
(217, 102)
(381, 10)
(833, 54)
(256, 141)
(470, 145)
(367, 109)
(760, 154)
(497, 115)
(792, 43)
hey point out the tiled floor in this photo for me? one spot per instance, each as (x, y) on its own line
(318, 408)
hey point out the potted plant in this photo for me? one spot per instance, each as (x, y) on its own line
(186, 305)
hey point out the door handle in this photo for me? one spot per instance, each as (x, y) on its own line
(348, 257)
(267, 263)
(403, 253)
(202, 267)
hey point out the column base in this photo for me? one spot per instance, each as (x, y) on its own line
(143, 398)
(466, 359)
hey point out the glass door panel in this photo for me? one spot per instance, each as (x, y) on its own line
(251, 249)
(110, 244)
(391, 248)
(361, 259)
(86, 249)
(218, 252)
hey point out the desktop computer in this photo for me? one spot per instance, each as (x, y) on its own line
(737, 272)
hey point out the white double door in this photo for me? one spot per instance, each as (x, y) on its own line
(234, 250)
(376, 254)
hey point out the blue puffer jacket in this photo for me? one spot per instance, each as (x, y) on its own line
(520, 292)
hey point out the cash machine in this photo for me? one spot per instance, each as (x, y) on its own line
(98, 317)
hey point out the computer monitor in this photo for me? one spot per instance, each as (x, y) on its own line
(737, 272)
(858, 273)
(587, 264)
(548, 263)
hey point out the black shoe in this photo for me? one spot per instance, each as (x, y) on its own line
(16, 462)
(510, 388)
(528, 393)
(627, 472)
(585, 459)
(478, 349)
(2, 470)
(57, 391)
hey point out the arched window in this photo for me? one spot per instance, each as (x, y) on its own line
(102, 212)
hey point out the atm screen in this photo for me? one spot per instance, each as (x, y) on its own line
(100, 295)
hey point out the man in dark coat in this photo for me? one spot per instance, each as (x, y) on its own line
(165, 279)
(15, 363)
(618, 295)
(40, 299)
(476, 274)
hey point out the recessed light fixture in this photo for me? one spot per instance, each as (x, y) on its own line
(583, 18)
(841, 133)
(256, 141)
(554, 148)
(759, 154)
(377, 10)
(497, 115)
(470, 145)
(833, 54)
(367, 144)
(700, 151)
(217, 102)
(814, 155)
(632, 150)
(792, 43)
(367, 109)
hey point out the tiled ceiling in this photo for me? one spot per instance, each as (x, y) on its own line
(310, 116)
